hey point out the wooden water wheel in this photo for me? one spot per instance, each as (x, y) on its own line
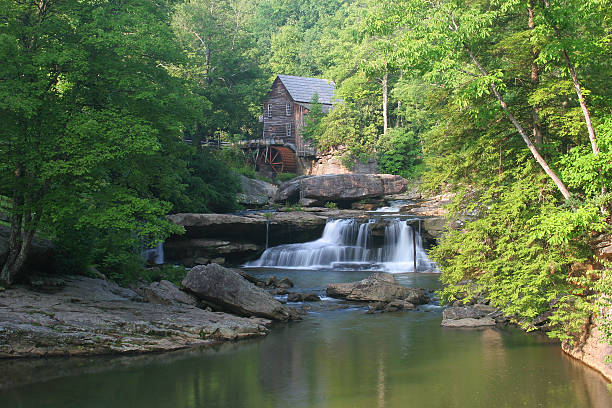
(280, 158)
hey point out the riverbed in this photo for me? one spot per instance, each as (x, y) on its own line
(337, 357)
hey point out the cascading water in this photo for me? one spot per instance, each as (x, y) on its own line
(155, 255)
(348, 244)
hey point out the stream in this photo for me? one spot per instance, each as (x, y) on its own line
(337, 357)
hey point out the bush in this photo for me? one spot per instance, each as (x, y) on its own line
(210, 185)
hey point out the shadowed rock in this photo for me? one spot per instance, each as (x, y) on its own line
(166, 293)
(228, 289)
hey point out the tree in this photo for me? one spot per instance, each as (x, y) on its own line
(88, 108)
(313, 120)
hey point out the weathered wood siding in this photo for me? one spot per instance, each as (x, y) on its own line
(276, 120)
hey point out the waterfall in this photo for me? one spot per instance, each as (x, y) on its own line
(155, 255)
(348, 244)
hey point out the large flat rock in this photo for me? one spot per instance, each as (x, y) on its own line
(230, 290)
(239, 238)
(93, 316)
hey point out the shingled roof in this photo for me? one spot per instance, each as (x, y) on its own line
(302, 89)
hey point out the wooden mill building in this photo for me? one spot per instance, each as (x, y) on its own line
(284, 109)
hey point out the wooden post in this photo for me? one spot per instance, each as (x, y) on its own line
(414, 258)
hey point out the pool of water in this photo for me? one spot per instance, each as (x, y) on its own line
(336, 357)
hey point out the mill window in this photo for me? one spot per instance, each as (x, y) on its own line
(269, 110)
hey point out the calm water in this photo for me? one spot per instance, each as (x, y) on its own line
(337, 357)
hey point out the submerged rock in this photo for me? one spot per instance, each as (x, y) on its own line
(303, 297)
(379, 287)
(228, 289)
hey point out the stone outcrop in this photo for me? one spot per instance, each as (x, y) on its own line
(94, 316)
(255, 192)
(340, 187)
(238, 238)
(592, 349)
(228, 289)
(379, 287)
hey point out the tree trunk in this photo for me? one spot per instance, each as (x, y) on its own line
(17, 259)
(535, 80)
(385, 102)
(521, 131)
(572, 71)
(585, 110)
(8, 273)
(398, 120)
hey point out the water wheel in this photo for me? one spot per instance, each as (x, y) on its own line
(280, 158)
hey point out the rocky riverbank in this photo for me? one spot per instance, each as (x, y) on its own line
(78, 315)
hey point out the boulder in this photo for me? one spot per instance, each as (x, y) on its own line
(289, 190)
(166, 293)
(228, 289)
(284, 283)
(379, 287)
(255, 192)
(340, 187)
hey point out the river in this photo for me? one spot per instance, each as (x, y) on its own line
(337, 357)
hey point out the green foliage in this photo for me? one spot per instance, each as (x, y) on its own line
(313, 121)
(172, 273)
(331, 204)
(210, 186)
(400, 153)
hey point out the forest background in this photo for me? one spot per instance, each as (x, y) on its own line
(504, 102)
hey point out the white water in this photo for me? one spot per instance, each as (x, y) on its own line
(348, 244)
(393, 207)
